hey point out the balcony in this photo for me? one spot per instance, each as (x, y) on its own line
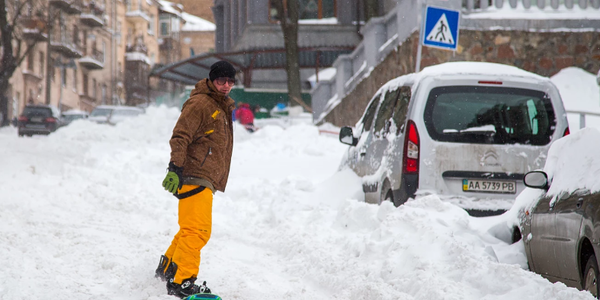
(137, 52)
(169, 43)
(95, 61)
(87, 100)
(34, 29)
(30, 76)
(92, 15)
(71, 7)
(139, 15)
(65, 45)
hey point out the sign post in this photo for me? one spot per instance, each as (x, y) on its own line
(439, 30)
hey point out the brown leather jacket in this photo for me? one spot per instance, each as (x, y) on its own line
(202, 140)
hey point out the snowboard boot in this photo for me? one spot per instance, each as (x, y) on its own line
(186, 288)
(162, 268)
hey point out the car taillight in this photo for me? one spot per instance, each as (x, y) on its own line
(23, 119)
(567, 132)
(411, 149)
(51, 120)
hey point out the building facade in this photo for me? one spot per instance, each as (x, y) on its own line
(327, 29)
(90, 53)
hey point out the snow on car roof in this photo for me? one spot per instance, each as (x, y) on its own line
(462, 68)
(482, 68)
(75, 112)
(573, 162)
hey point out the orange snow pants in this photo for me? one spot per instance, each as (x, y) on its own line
(195, 222)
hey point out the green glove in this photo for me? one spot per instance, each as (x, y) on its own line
(173, 180)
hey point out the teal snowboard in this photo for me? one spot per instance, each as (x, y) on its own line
(203, 297)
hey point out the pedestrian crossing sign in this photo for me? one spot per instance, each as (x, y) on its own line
(441, 28)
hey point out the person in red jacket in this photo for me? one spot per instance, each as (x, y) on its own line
(246, 116)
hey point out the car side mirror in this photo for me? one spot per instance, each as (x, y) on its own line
(347, 137)
(536, 180)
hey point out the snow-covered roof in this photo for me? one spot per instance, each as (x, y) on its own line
(195, 23)
(167, 6)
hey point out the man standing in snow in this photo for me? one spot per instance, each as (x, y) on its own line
(201, 148)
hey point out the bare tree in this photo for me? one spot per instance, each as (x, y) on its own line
(13, 44)
(288, 19)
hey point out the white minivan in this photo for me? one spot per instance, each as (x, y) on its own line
(465, 131)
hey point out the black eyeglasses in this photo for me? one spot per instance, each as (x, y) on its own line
(223, 80)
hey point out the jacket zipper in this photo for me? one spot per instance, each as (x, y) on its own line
(206, 156)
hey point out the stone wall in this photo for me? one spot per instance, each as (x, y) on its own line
(544, 53)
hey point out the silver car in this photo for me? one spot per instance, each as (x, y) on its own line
(466, 131)
(561, 234)
(111, 114)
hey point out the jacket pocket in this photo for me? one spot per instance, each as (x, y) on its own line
(206, 156)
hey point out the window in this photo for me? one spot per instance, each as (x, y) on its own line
(75, 35)
(401, 109)
(370, 113)
(63, 75)
(489, 115)
(75, 79)
(308, 9)
(103, 94)
(84, 82)
(382, 123)
(164, 26)
(42, 54)
(151, 25)
(94, 93)
(30, 66)
(53, 70)
(84, 42)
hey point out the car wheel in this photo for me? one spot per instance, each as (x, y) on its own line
(402, 197)
(590, 276)
(386, 193)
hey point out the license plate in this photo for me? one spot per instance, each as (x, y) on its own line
(489, 186)
(35, 126)
(36, 119)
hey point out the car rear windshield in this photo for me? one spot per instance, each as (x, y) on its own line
(100, 112)
(37, 112)
(489, 115)
(125, 112)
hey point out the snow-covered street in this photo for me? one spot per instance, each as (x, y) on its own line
(83, 215)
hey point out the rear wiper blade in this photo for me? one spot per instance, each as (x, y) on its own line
(480, 130)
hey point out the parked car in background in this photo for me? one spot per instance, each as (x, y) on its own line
(110, 114)
(466, 131)
(560, 217)
(39, 119)
(74, 114)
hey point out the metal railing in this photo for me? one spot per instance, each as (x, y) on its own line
(471, 5)
(582, 116)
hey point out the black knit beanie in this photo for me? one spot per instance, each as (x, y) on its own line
(221, 69)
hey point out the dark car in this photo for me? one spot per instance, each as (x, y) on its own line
(39, 119)
(561, 234)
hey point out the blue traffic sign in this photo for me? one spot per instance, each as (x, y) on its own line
(441, 28)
